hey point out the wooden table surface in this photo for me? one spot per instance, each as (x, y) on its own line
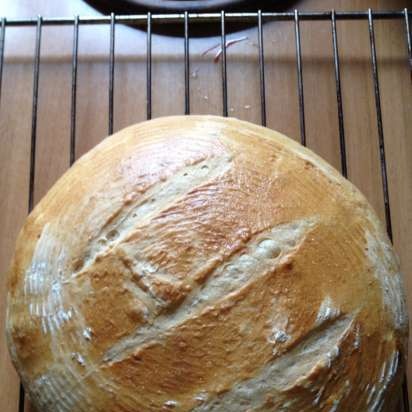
(53, 127)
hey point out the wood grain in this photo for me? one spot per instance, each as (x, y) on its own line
(14, 155)
(206, 97)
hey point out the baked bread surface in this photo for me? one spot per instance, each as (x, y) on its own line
(205, 264)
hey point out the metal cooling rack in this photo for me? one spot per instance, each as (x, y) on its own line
(185, 19)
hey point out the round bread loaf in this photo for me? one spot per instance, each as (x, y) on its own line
(205, 264)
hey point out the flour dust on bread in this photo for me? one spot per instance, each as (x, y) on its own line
(205, 264)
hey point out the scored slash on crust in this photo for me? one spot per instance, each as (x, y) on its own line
(264, 253)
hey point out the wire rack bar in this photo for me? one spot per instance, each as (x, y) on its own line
(408, 38)
(149, 66)
(261, 70)
(224, 68)
(381, 139)
(405, 394)
(33, 144)
(187, 65)
(300, 80)
(405, 390)
(2, 40)
(21, 398)
(36, 70)
(342, 142)
(75, 55)
(111, 71)
(140, 19)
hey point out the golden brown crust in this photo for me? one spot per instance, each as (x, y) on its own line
(205, 264)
